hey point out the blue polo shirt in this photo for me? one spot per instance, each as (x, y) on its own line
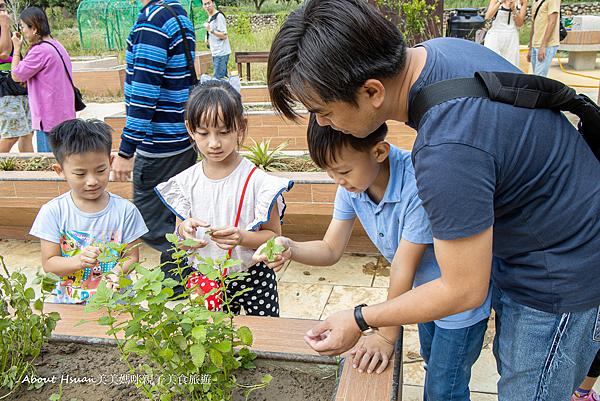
(401, 215)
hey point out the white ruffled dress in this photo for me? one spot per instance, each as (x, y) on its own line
(192, 194)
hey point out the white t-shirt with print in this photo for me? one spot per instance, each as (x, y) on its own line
(61, 222)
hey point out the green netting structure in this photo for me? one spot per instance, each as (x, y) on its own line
(106, 24)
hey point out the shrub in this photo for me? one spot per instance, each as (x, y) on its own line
(186, 342)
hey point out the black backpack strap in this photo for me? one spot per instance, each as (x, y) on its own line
(538, 9)
(519, 90)
(442, 91)
(186, 45)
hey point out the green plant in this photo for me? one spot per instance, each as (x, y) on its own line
(262, 158)
(189, 343)
(415, 18)
(8, 163)
(242, 23)
(271, 249)
(22, 330)
(36, 163)
(282, 17)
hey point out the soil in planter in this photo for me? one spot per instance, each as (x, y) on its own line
(291, 164)
(97, 373)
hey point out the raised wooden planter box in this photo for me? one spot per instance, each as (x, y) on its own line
(307, 216)
(263, 125)
(104, 77)
(274, 338)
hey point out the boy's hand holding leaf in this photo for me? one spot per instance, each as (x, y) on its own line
(273, 251)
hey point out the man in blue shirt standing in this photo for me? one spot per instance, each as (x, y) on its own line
(157, 86)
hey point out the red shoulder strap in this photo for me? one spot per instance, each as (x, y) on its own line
(239, 211)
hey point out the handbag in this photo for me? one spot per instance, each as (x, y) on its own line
(8, 86)
(215, 301)
(480, 35)
(79, 105)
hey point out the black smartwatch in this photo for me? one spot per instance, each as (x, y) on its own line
(125, 155)
(360, 321)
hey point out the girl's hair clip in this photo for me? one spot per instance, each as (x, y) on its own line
(233, 80)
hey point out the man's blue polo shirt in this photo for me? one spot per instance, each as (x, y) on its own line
(401, 215)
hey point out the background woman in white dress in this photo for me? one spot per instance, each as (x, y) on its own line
(503, 36)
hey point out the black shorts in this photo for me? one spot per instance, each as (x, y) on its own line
(262, 299)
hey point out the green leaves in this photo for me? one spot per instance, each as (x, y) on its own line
(25, 328)
(271, 249)
(245, 335)
(178, 341)
(262, 158)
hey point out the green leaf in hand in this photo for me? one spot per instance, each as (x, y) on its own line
(271, 249)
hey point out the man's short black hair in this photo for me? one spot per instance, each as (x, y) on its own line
(327, 49)
(326, 143)
(77, 136)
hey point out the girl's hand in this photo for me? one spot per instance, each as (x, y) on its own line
(17, 40)
(279, 258)
(227, 237)
(187, 230)
(88, 256)
(373, 349)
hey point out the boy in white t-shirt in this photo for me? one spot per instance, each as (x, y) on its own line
(74, 227)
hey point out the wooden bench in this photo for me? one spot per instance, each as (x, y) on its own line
(248, 58)
(274, 338)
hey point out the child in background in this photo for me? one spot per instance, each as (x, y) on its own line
(585, 392)
(377, 184)
(73, 227)
(210, 197)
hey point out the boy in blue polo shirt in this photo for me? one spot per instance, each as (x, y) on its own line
(377, 184)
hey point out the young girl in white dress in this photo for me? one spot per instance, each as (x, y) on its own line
(503, 36)
(210, 196)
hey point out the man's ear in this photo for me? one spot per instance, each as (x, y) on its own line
(374, 91)
(381, 151)
(59, 171)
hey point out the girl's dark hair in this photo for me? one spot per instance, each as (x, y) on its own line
(76, 136)
(202, 107)
(327, 49)
(36, 18)
(325, 143)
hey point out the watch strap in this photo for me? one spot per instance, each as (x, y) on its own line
(125, 155)
(360, 320)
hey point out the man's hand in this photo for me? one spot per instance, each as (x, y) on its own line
(279, 258)
(122, 168)
(541, 53)
(529, 55)
(335, 335)
(88, 256)
(373, 349)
